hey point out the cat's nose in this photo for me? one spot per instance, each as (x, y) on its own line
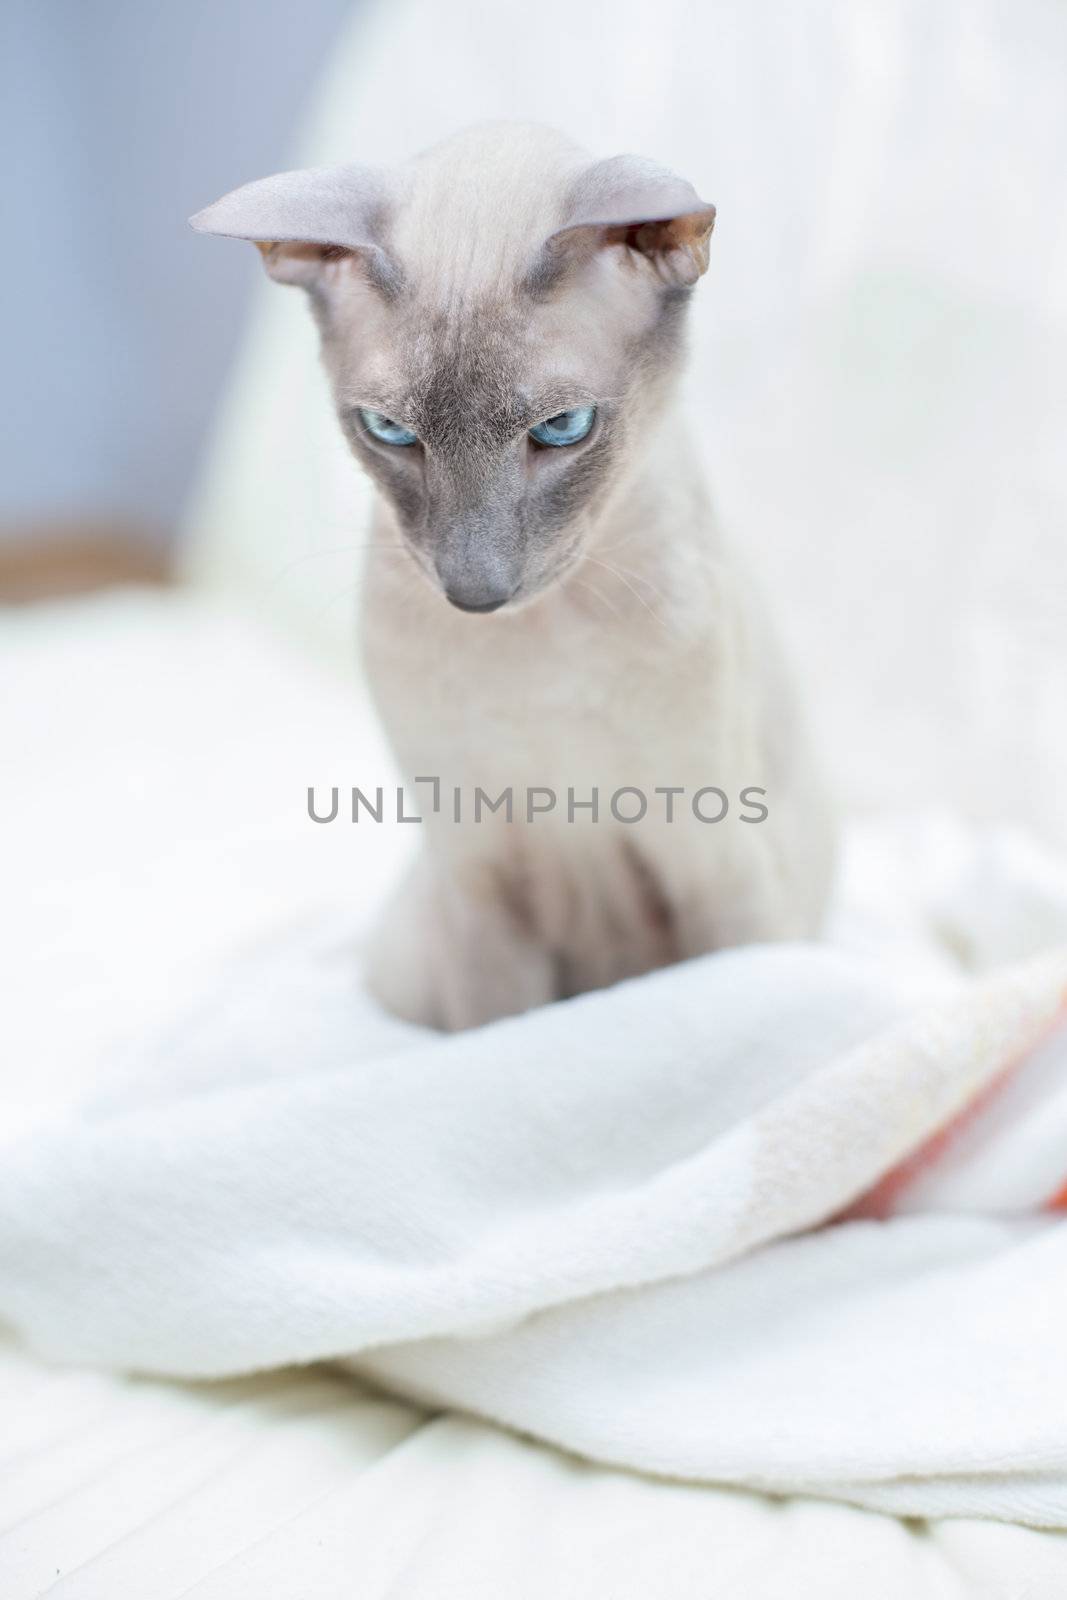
(482, 582)
(477, 599)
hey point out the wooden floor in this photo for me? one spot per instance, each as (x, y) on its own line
(44, 563)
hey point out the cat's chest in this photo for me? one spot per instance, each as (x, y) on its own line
(523, 714)
(548, 694)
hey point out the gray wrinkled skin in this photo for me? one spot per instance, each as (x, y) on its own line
(495, 281)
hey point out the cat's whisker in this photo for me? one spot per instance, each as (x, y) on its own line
(639, 577)
(597, 595)
(628, 585)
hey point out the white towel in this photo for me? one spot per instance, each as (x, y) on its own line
(584, 1222)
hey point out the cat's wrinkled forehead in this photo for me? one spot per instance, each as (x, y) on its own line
(462, 373)
(475, 347)
(481, 369)
(471, 217)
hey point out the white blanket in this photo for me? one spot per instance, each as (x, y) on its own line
(583, 1222)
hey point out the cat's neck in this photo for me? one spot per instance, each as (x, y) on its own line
(656, 541)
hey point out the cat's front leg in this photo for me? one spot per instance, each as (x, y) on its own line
(746, 893)
(452, 953)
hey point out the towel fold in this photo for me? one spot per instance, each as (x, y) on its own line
(770, 1218)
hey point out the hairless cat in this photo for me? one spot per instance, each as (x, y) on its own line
(548, 603)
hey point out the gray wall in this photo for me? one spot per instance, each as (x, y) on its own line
(118, 118)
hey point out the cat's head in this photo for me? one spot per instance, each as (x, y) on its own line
(500, 321)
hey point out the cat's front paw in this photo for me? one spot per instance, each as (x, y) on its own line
(446, 958)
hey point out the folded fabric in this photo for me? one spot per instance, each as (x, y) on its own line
(589, 1223)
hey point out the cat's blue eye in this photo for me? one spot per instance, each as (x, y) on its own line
(566, 428)
(385, 429)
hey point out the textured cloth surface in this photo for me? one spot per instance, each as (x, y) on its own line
(580, 1222)
(300, 1485)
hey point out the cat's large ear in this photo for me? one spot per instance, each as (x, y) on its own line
(627, 200)
(302, 221)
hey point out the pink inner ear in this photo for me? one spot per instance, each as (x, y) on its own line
(297, 250)
(297, 262)
(304, 263)
(677, 246)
